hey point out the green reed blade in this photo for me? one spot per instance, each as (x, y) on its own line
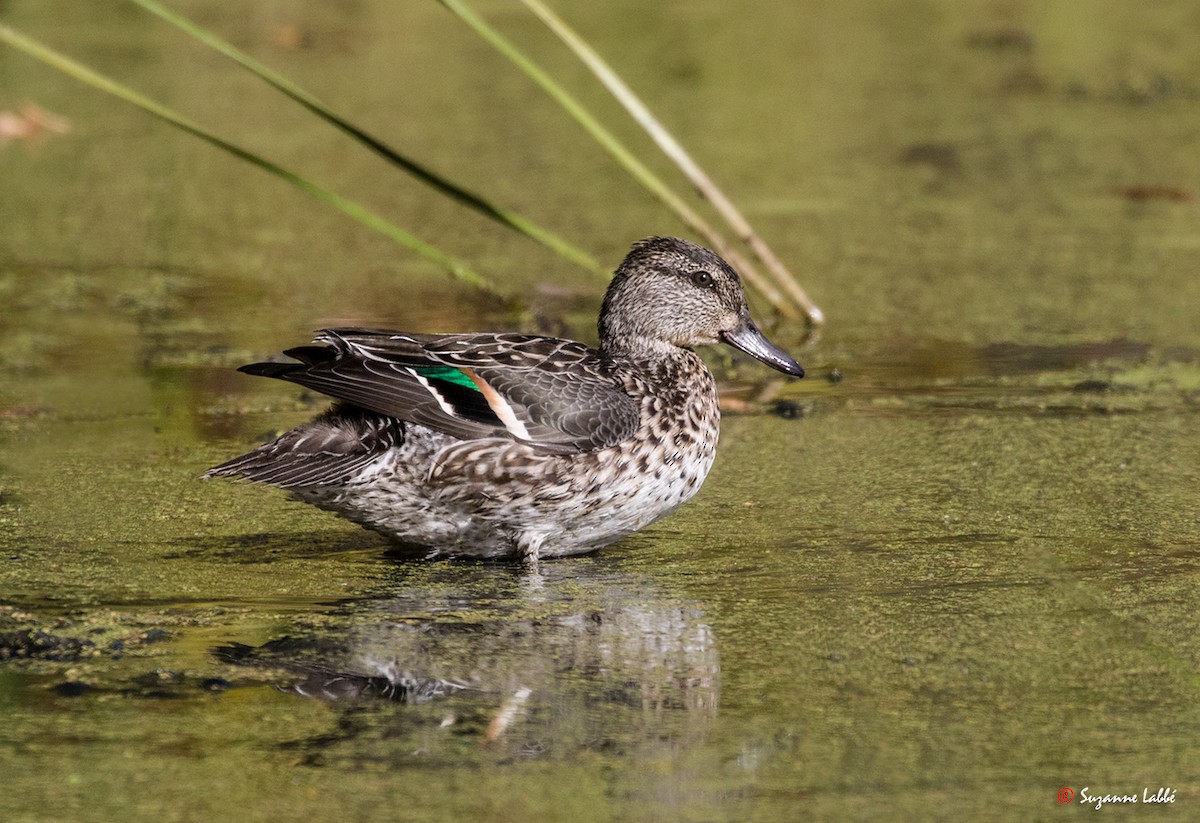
(671, 147)
(454, 266)
(467, 198)
(650, 181)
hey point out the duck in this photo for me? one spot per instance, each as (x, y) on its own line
(503, 445)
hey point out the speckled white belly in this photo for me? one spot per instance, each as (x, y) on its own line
(488, 498)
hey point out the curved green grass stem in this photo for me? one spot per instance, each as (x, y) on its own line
(672, 148)
(650, 181)
(412, 167)
(457, 268)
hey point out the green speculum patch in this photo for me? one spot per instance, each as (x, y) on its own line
(446, 374)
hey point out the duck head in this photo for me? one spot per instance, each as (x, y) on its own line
(670, 292)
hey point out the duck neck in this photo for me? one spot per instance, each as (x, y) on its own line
(637, 349)
(668, 368)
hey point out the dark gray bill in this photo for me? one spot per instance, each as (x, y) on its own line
(749, 339)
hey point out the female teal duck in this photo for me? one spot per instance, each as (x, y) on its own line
(487, 445)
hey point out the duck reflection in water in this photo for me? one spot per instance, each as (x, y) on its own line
(573, 657)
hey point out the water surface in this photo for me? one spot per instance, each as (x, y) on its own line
(956, 580)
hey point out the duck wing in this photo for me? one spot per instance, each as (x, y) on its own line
(548, 392)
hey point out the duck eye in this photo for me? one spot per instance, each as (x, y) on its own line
(703, 279)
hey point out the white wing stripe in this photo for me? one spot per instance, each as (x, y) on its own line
(499, 405)
(441, 401)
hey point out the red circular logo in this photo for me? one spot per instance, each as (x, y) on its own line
(1065, 795)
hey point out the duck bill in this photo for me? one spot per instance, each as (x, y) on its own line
(746, 337)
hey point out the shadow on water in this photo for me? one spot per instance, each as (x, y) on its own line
(915, 377)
